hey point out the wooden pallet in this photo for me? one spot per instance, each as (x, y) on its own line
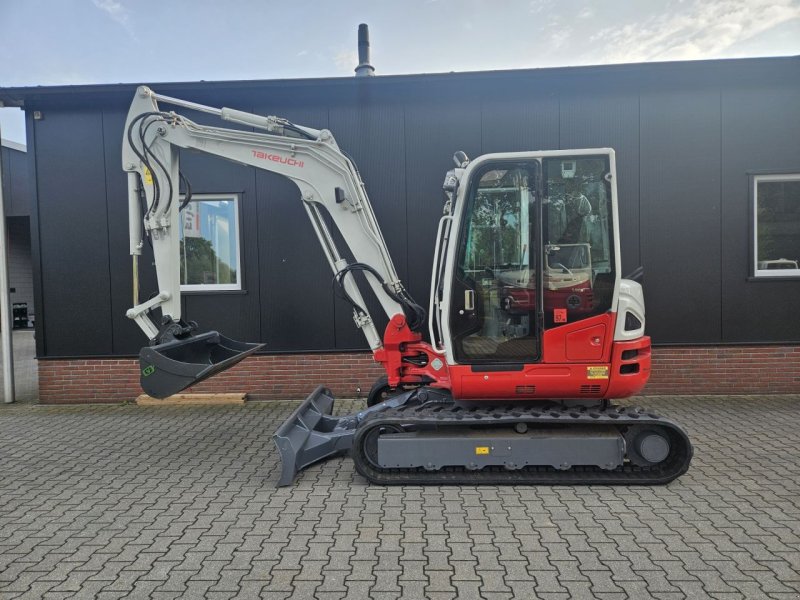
(193, 400)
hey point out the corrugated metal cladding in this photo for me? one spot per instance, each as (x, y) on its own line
(686, 136)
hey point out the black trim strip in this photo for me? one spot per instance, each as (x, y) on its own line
(490, 368)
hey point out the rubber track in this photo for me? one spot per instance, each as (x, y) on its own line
(442, 416)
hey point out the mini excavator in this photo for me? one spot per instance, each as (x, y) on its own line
(531, 330)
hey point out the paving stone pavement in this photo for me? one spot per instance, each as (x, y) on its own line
(128, 502)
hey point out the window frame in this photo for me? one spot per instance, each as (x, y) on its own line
(220, 287)
(757, 274)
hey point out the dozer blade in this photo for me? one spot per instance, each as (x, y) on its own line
(311, 433)
(168, 368)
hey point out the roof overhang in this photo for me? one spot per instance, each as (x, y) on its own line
(697, 72)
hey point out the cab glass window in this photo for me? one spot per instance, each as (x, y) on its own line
(493, 311)
(578, 277)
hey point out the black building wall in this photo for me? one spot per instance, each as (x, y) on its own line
(686, 136)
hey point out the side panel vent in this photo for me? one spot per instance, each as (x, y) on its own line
(526, 389)
(590, 389)
(631, 322)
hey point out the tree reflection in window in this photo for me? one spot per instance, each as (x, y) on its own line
(209, 244)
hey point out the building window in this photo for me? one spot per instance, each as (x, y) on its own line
(776, 231)
(210, 254)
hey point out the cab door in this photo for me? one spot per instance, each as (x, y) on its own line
(495, 300)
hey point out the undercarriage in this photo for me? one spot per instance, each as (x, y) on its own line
(423, 437)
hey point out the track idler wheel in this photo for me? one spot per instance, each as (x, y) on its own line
(647, 445)
(371, 442)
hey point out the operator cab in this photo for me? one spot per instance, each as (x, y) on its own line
(532, 250)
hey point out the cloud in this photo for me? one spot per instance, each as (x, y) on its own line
(117, 11)
(114, 9)
(559, 37)
(346, 60)
(538, 6)
(700, 29)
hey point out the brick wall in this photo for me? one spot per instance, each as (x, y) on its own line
(725, 370)
(676, 370)
(278, 377)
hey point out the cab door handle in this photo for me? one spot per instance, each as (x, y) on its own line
(469, 299)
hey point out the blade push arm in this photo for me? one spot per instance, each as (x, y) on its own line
(327, 180)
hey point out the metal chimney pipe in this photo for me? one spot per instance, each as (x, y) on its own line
(364, 69)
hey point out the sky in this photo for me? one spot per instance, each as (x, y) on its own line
(64, 42)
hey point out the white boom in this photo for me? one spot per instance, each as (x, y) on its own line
(327, 180)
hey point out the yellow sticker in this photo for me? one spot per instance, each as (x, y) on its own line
(596, 372)
(148, 176)
(481, 449)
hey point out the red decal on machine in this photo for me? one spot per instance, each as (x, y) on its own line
(559, 315)
(284, 160)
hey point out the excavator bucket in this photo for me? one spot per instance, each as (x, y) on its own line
(312, 433)
(168, 368)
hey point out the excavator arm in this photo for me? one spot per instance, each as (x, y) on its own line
(328, 183)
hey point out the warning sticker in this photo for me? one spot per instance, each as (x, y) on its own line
(596, 372)
(559, 315)
(481, 449)
(148, 176)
